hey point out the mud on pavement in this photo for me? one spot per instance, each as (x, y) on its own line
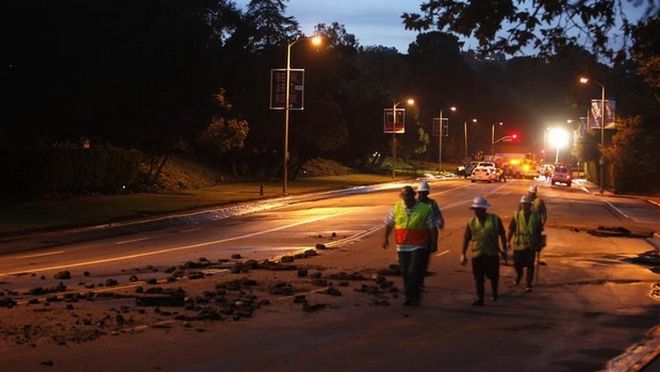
(72, 307)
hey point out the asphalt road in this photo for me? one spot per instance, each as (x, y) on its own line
(590, 304)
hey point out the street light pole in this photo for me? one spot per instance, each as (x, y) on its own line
(440, 125)
(492, 138)
(408, 101)
(465, 135)
(285, 160)
(465, 138)
(285, 168)
(394, 140)
(440, 144)
(601, 160)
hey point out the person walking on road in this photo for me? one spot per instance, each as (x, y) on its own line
(538, 206)
(482, 232)
(423, 191)
(525, 229)
(415, 231)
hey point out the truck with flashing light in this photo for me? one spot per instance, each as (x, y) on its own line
(518, 165)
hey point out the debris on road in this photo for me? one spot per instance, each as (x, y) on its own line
(312, 308)
(282, 289)
(603, 231)
(62, 275)
(174, 297)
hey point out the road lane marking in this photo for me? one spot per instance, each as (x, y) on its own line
(190, 230)
(356, 236)
(133, 240)
(173, 249)
(450, 189)
(442, 253)
(38, 255)
(617, 209)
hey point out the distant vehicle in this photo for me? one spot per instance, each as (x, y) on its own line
(523, 168)
(467, 169)
(561, 174)
(485, 171)
(486, 164)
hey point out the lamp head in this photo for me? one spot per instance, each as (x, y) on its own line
(410, 101)
(453, 108)
(316, 40)
(584, 80)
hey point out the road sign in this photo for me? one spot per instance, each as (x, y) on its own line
(296, 89)
(445, 127)
(388, 126)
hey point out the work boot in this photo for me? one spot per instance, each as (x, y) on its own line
(528, 289)
(479, 302)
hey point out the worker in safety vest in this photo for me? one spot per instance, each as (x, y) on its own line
(482, 232)
(538, 206)
(525, 229)
(423, 191)
(415, 231)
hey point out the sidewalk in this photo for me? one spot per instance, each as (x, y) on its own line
(594, 189)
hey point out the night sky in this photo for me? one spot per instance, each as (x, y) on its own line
(373, 22)
(378, 22)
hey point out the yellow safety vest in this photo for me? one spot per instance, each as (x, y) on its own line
(484, 237)
(411, 229)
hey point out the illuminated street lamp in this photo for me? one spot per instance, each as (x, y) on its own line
(492, 137)
(315, 40)
(601, 161)
(559, 139)
(465, 137)
(452, 108)
(409, 102)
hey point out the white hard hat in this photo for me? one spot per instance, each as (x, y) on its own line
(479, 202)
(525, 199)
(533, 189)
(423, 186)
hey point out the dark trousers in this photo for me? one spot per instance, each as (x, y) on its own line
(412, 270)
(524, 258)
(486, 267)
(426, 260)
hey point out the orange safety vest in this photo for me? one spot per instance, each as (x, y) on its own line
(411, 229)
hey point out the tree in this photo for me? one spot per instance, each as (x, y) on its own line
(225, 132)
(646, 52)
(546, 25)
(270, 27)
(634, 156)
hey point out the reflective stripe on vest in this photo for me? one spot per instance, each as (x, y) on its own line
(411, 228)
(484, 238)
(526, 229)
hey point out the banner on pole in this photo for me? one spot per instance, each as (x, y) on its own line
(595, 114)
(584, 125)
(296, 89)
(388, 121)
(445, 127)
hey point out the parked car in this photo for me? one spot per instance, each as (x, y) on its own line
(561, 174)
(484, 173)
(487, 164)
(467, 169)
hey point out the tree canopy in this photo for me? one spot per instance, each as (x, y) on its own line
(546, 26)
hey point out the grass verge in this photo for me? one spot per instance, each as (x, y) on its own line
(95, 210)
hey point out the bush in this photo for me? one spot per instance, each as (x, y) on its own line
(68, 171)
(322, 167)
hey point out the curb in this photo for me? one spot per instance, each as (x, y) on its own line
(653, 202)
(638, 356)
